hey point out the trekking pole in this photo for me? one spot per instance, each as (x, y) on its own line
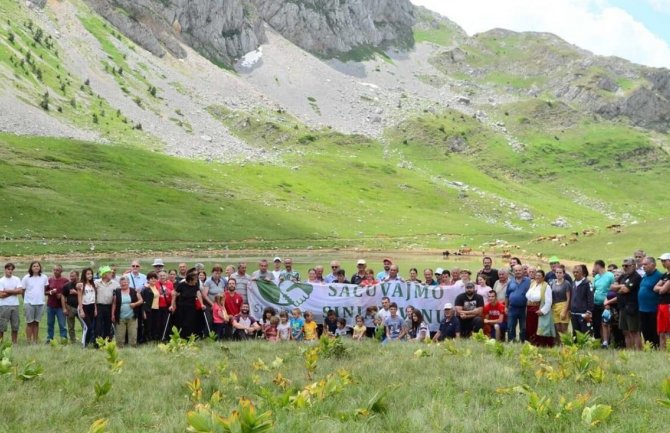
(167, 323)
(209, 330)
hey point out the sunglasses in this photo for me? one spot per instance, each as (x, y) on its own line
(136, 266)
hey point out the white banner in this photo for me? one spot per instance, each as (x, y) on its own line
(350, 300)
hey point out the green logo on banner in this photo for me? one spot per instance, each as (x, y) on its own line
(286, 294)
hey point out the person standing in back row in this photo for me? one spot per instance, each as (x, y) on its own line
(10, 289)
(72, 305)
(36, 286)
(104, 288)
(648, 300)
(242, 280)
(515, 304)
(627, 288)
(56, 304)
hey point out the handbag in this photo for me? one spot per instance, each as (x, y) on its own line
(545, 323)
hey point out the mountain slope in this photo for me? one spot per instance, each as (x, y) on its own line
(499, 138)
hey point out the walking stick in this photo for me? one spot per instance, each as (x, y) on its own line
(209, 330)
(167, 323)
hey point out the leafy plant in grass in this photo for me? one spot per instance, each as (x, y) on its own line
(102, 389)
(176, 344)
(99, 426)
(311, 357)
(596, 414)
(5, 357)
(245, 419)
(665, 387)
(332, 347)
(30, 371)
(109, 347)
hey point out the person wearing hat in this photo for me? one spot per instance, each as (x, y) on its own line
(627, 288)
(276, 272)
(469, 309)
(359, 276)
(450, 326)
(104, 288)
(554, 262)
(382, 275)
(663, 313)
(158, 265)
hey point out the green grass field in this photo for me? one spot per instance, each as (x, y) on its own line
(464, 386)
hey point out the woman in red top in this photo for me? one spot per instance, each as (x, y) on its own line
(165, 289)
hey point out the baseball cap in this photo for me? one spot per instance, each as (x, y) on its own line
(276, 259)
(448, 306)
(554, 259)
(387, 259)
(439, 271)
(664, 256)
(158, 262)
(103, 270)
(361, 262)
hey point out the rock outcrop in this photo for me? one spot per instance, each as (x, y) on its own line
(222, 30)
(330, 27)
(225, 30)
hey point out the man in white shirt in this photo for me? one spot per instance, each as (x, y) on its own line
(276, 272)
(10, 289)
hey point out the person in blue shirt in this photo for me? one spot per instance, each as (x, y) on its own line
(450, 326)
(602, 281)
(515, 304)
(648, 300)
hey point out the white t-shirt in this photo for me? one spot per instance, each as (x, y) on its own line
(34, 294)
(88, 295)
(284, 330)
(10, 283)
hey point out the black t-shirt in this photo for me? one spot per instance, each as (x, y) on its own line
(70, 293)
(469, 304)
(187, 294)
(665, 297)
(491, 276)
(632, 281)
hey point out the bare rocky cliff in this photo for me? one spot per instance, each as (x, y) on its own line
(330, 27)
(221, 30)
(225, 30)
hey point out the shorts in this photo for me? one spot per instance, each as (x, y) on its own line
(556, 310)
(33, 312)
(9, 314)
(663, 319)
(629, 322)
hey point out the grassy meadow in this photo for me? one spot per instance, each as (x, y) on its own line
(461, 386)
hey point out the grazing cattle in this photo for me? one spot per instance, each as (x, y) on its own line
(446, 254)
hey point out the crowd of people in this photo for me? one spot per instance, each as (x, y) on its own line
(621, 306)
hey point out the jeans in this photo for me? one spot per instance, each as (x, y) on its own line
(516, 315)
(52, 314)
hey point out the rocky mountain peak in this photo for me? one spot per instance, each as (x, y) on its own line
(225, 30)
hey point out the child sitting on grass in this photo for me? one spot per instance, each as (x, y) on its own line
(270, 330)
(359, 328)
(342, 330)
